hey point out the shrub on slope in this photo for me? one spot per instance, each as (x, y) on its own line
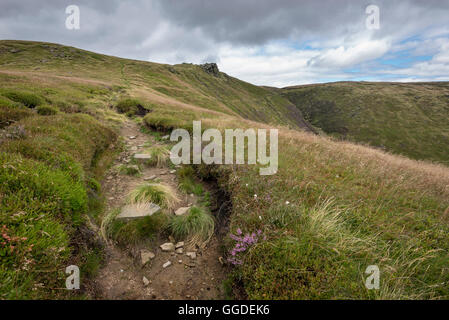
(385, 210)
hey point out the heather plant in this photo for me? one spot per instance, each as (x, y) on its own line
(243, 244)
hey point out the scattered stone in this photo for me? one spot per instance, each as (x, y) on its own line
(167, 264)
(133, 148)
(145, 281)
(170, 282)
(181, 211)
(190, 265)
(191, 254)
(210, 68)
(138, 210)
(165, 137)
(168, 246)
(145, 256)
(132, 137)
(109, 178)
(180, 261)
(179, 244)
(132, 169)
(179, 250)
(111, 198)
(142, 156)
(172, 171)
(150, 178)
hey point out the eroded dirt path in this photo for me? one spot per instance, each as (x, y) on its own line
(122, 274)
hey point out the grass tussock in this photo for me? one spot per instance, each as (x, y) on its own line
(196, 226)
(386, 210)
(158, 193)
(130, 170)
(9, 115)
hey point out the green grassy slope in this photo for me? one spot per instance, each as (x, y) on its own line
(404, 118)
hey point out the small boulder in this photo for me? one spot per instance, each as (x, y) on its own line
(179, 250)
(165, 137)
(167, 264)
(145, 281)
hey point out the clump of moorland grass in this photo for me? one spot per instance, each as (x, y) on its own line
(187, 181)
(129, 170)
(29, 100)
(160, 156)
(158, 193)
(197, 226)
(46, 110)
(131, 107)
(131, 232)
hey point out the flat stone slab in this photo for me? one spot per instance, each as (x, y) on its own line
(142, 156)
(181, 211)
(191, 254)
(139, 210)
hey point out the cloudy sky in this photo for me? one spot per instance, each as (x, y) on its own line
(266, 42)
